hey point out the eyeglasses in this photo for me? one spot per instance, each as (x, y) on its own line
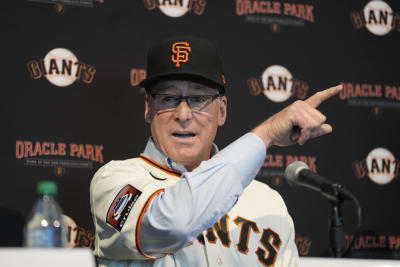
(196, 102)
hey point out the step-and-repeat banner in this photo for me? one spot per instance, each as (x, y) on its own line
(71, 102)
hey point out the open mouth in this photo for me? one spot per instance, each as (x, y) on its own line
(184, 135)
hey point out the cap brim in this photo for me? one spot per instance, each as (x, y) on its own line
(147, 82)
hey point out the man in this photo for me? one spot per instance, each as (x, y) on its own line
(183, 203)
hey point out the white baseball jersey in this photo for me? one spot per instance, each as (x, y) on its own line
(257, 231)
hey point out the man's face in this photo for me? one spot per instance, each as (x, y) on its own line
(185, 135)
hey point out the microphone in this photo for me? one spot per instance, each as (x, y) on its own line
(299, 174)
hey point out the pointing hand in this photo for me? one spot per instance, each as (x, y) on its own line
(298, 122)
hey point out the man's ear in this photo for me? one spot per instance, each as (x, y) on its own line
(223, 105)
(147, 115)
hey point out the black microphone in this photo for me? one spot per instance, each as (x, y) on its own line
(299, 174)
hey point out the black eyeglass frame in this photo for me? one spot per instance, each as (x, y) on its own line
(185, 98)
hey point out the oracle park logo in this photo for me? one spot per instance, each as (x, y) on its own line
(275, 13)
(176, 8)
(60, 5)
(377, 16)
(277, 84)
(58, 155)
(380, 166)
(377, 245)
(136, 76)
(375, 96)
(62, 68)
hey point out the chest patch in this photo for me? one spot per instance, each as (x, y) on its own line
(121, 206)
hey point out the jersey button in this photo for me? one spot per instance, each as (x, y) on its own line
(174, 164)
(219, 261)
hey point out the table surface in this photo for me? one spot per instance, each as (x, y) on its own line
(332, 262)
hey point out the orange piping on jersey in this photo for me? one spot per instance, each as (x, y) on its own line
(158, 166)
(138, 225)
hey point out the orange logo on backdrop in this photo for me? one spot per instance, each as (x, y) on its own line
(181, 53)
(223, 78)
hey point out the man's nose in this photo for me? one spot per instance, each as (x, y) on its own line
(183, 112)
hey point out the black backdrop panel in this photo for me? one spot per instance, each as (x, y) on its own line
(71, 102)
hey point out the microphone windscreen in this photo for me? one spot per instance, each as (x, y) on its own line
(292, 171)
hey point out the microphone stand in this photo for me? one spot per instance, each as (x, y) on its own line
(336, 230)
(336, 194)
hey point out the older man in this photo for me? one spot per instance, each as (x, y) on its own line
(183, 202)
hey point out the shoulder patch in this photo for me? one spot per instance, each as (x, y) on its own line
(121, 206)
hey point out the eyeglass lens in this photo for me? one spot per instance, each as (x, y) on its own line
(197, 102)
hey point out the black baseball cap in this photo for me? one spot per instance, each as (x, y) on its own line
(184, 57)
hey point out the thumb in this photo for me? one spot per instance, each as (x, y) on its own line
(306, 135)
(324, 129)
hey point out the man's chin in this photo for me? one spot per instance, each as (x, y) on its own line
(185, 157)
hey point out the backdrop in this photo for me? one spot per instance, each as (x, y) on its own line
(70, 101)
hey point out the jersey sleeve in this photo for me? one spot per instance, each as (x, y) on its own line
(120, 192)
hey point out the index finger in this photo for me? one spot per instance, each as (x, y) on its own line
(321, 96)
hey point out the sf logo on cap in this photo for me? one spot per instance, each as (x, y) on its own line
(181, 53)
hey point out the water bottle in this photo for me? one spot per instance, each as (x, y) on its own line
(46, 226)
